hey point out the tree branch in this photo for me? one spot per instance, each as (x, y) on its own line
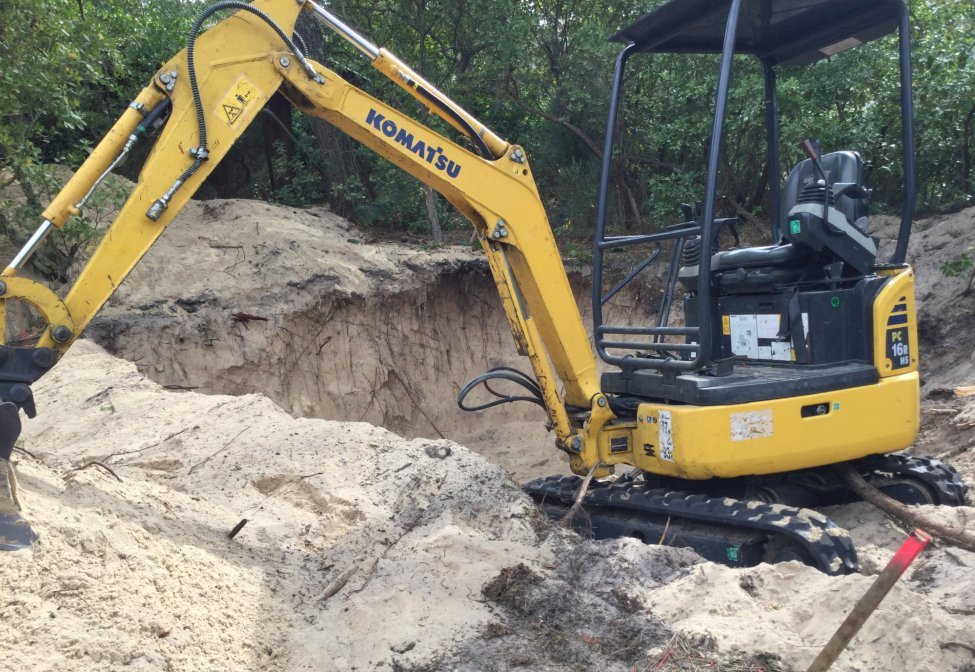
(910, 517)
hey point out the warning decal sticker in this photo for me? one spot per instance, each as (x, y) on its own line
(757, 336)
(236, 103)
(665, 434)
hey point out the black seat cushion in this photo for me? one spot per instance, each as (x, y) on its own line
(756, 257)
(750, 269)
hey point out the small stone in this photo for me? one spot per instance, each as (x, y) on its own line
(404, 647)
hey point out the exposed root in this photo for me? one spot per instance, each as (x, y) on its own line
(910, 517)
(96, 463)
(583, 489)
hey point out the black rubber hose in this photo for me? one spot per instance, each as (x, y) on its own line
(501, 373)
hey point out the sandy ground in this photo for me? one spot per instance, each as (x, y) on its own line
(138, 573)
(368, 551)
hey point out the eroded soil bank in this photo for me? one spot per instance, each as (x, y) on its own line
(241, 297)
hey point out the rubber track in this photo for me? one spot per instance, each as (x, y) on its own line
(828, 544)
(942, 479)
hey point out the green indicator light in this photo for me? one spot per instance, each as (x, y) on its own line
(733, 553)
(836, 406)
(795, 226)
(835, 302)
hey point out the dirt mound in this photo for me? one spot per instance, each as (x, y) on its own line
(365, 550)
(351, 526)
(139, 571)
(946, 309)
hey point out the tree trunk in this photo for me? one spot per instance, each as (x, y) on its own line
(27, 187)
(336, 148)
(278, 129)
(966, 153)
(435, 227)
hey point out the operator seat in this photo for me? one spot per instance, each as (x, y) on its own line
(805, 184)
(809, 243)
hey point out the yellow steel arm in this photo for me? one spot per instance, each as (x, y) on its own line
(241, 62)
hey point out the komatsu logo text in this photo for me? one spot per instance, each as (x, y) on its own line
(432, 155)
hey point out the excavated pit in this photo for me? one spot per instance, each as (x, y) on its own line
(241, 297)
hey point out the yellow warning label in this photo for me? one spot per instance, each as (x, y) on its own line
(237, 101)
(726, 325)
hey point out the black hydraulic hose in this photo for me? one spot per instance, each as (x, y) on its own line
(300, 41)
(201, 153)
(501, 373)
(525, 382)
(469, 130)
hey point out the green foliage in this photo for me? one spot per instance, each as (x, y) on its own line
(69, 68)
(77, 238)
(958, 266)
(537, 72)
(295, 176)
(964, 263)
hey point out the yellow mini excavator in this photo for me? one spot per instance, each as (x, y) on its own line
(792, 358)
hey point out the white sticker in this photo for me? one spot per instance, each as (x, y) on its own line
(751, 425)
(665, 435)
(782, 351)
(768, 327)
(744, 336)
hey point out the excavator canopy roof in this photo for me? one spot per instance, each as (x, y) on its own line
(780, 32)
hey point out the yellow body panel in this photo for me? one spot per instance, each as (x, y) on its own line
(895, 326)
(765, 437)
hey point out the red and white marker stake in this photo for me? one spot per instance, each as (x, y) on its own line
(905, 555)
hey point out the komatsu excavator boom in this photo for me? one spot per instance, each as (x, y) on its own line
(204, 98)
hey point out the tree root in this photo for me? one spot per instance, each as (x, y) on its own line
(583, 489)
(910, 517)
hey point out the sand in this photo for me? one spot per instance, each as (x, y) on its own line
(365, 550)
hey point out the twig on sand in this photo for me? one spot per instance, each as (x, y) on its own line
(151, 445)
(951, 535)
(225, 446)
(26, 452)
(237, 528)
(583, 489)
(382, 556)
(339, 583)
(663, 537)
(96, 463)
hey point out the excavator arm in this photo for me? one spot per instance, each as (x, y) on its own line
(206, 96)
